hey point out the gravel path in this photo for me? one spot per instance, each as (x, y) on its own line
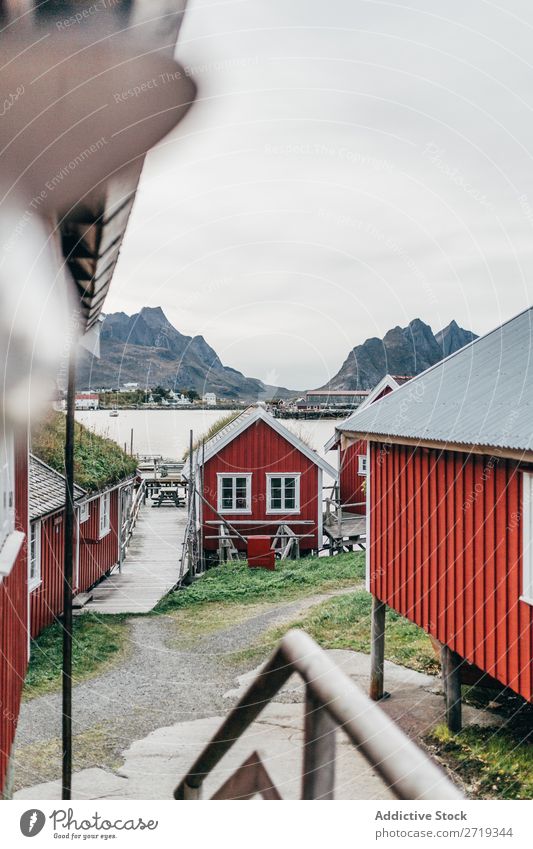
(155, 685)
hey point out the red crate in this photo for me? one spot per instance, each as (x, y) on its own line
(260, 554)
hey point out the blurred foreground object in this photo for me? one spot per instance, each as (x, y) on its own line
(85, 90)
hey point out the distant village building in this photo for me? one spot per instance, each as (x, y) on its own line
(450, 492)
(87, 401)
(342, 398)
(210, 399)
(258, 476)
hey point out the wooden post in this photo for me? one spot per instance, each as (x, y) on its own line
(377, 650)
(131, 442)
(68, 574)
(318, 781)
(451, 679)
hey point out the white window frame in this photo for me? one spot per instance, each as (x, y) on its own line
(527, 537)
(7, 487)
(105, 514)
(283, 475)
(223, 476)
(35, 536)
(84, 513)
(11, 540)
(362, 464)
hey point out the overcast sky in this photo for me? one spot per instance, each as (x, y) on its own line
(348, 166)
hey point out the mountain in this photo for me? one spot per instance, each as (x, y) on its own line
(402, 351)
(146, 349)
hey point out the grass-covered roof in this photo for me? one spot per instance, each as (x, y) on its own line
(98, 462)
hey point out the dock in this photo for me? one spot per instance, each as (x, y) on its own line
(151, 568)
(345, 530)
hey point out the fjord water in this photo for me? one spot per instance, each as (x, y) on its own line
(166, 432)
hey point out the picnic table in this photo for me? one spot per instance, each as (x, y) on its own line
(168, 495)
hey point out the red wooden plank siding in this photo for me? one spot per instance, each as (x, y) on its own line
(98, 556)
(351, 483)
(46, 601)
(14, 619)
(260, 450)
(446, 553)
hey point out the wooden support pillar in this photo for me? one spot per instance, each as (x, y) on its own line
(377, 650)
(451, 680)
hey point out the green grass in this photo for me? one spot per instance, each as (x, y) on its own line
(97, 641)
(344, 623)
(235, 582)
(212, 431)
(98, 461)
(493, 763)
(216, 600)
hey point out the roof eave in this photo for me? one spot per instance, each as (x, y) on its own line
(517, 454)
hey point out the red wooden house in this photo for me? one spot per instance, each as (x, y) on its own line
(97, 539)
(13, 588)
(352, 455)
(257, 475)
(450, 461)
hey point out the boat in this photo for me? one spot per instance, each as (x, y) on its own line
(113, 412)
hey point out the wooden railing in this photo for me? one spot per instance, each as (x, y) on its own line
(332, 699)
(131, 520)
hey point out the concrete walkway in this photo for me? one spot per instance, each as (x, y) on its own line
(151, 568)
(153, 765)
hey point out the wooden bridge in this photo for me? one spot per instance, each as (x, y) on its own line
(152, 560)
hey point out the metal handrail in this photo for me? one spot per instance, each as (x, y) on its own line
(331, 699)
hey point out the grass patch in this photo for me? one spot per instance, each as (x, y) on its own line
(493, 763)
(98, 641)
(343, 622)
(98, 746)
(201, 620)
(98, 461)
(212, 431)
(235, 582)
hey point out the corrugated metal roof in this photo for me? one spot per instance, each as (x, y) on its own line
(480, 396)
(47, 489)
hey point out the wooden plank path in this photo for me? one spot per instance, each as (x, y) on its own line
(152, 566)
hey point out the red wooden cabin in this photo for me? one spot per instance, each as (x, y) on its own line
(257, 475)
(450, 459)
(13, 589)
(97, 546)
(352, 456)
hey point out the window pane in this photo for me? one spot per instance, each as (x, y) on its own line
(275, 493)
(227, 493)
(290, 493)
(241, 493)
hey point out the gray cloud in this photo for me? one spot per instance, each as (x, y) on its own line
(348, 166)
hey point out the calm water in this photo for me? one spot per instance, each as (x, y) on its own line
(166, 432)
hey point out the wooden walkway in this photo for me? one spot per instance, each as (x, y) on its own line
(152, 566)
(352, 530)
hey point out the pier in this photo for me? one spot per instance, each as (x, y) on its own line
(153, 564)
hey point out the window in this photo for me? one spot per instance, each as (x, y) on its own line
(105, 500)
(7, 501)
(527, 537)
(283, 493)
(361, 464)
(234, 493)
(34, 564)
(84, 512)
